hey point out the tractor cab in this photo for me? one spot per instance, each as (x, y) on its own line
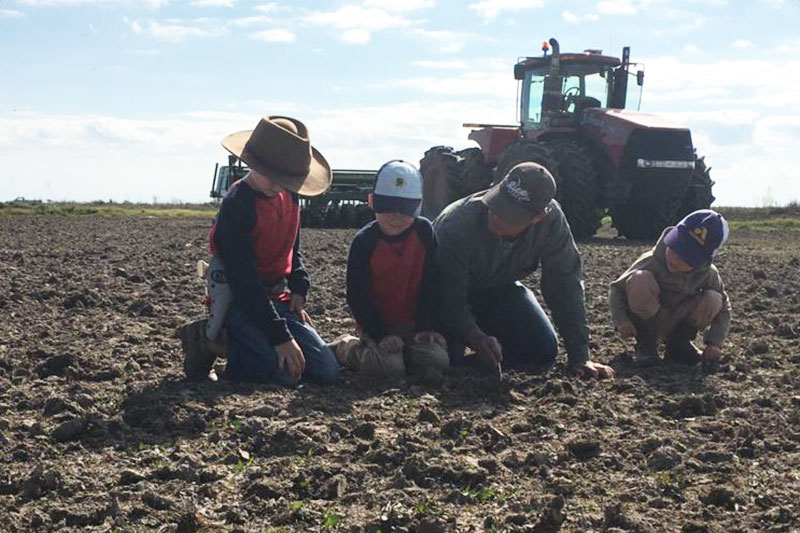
(557, 88)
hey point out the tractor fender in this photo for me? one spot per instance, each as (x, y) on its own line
(493, 139)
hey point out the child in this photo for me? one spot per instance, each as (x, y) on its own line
(673, 291)
(256, 237)
(391, 282)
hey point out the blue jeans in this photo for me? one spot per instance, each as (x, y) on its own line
(252, 358)
(513, 315)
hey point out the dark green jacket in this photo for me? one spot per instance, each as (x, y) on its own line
(472, 260)
(676, 288)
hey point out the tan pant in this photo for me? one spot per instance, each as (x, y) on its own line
(643, 300)
(426, 359)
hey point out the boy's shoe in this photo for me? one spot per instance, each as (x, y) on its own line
(679, 347)
(199, 353)
(645, 355)
(339, 347)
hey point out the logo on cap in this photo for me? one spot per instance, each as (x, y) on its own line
(699, 234)
(516, 191)
(399, 182)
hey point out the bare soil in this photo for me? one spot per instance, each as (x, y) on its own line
(99, 431)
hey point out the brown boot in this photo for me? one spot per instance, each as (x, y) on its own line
(199, 353)
(679, 346)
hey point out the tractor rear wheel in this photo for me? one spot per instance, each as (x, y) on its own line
(698, 195)
(475, 173)
(441, 176)
(526, 150)
(578, 187)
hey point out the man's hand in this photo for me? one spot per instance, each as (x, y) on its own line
(712, 353)
(431, 337)
(391, 343)
(487, 348)
(596, 370)
(297, 303)
(289, 353)
(627, 330)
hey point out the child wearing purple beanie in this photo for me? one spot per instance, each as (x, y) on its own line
(673, 291)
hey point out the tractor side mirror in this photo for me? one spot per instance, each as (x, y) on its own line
(639, 78)
(519, 72)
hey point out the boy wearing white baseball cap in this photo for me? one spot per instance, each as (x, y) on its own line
(391, 282)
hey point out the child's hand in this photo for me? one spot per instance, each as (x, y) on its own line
(391, 343)
(712, 353)
(431, 337)
(627, 330)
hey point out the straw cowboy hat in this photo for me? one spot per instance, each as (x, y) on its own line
(279, 148)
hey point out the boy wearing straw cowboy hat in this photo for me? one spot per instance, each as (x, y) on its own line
(256, 236)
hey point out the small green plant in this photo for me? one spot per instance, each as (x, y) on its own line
(296, 505)
(241, 465)
(330, 518)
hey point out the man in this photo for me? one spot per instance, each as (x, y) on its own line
(487, 243)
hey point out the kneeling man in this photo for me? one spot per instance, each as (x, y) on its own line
(488, 242)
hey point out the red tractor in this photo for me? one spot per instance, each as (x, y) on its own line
(638, 168)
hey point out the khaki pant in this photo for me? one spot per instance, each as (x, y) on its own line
(643, 300)
(426, 359)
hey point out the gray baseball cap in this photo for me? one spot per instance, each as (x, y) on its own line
(522, 194)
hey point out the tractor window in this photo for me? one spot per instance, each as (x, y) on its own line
(633, 98)
(580, 89)
(535, 94)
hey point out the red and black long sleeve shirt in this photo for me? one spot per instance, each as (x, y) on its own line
(258, 239)
(391, 280)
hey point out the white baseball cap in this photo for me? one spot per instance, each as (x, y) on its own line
(397, 188)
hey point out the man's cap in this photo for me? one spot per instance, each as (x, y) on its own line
(279, 147)
(522, 194)
(397, 188)
(698, 237)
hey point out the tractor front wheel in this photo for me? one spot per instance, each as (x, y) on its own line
(578, 187)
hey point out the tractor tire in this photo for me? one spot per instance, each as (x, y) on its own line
(698, 195)
(364, 215)
(475, 173)
(348, 217)
(644, 222)
(526, 150)
(578, 187)
(331, 217)
(441, 176)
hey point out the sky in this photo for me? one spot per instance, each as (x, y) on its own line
(127, 100)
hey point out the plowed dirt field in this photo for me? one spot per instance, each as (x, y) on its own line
(99, 431)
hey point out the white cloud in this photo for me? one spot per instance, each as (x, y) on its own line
(395, 5)
(177, 31)
(355, 23)
(743, 44)
(357, 17)
(274, 36)
(572, 18)
(213, 3)
(48, 3)
(789, 47)
(617, 7)
(441, 65)
(691, 48)
(11, 14)
(450, 42)
(356, 36)
(267, 8)
(491, 9)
